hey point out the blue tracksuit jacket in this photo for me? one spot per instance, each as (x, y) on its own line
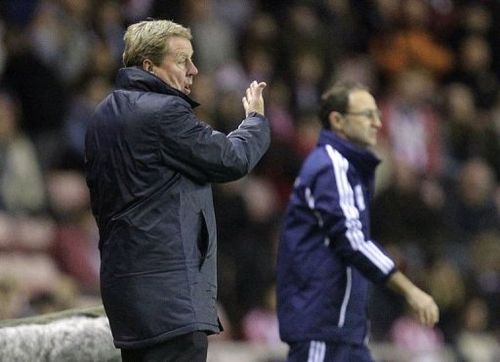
(326, 255)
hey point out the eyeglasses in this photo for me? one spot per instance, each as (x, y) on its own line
(369, 113)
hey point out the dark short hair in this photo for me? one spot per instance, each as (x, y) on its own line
(336, 99)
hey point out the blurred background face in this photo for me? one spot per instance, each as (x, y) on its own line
(475, 53)
(177, 68)
(7, 117)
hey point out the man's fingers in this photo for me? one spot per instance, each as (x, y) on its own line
(435, 314)
(427, 315)
(430, 316)
(253, 100)
(258, 86)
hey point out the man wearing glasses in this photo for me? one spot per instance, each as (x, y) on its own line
(326, 255)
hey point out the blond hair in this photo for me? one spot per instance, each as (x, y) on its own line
(148, 40)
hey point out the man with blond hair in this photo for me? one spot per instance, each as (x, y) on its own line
(150, 164)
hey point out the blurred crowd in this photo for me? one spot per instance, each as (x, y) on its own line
(433, 66)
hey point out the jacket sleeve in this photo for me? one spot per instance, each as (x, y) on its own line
(206, 155)
(331, 198)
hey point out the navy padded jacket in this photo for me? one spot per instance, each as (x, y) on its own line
(149, 165)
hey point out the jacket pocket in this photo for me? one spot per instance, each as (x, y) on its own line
(202, 239)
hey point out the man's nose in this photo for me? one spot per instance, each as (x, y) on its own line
(192, 69)
(377, 120)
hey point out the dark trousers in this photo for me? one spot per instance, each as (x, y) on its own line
(191, 347)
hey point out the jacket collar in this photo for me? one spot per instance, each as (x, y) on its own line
(363, 159)
(136, 78)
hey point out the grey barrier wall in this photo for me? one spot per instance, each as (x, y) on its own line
(83, 335)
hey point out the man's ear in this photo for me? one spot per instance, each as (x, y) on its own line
(336, 121)
(147, 65)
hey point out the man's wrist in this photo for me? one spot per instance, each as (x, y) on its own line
(255, 114)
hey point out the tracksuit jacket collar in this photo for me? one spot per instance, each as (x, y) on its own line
(136, 78)
(363, 159)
